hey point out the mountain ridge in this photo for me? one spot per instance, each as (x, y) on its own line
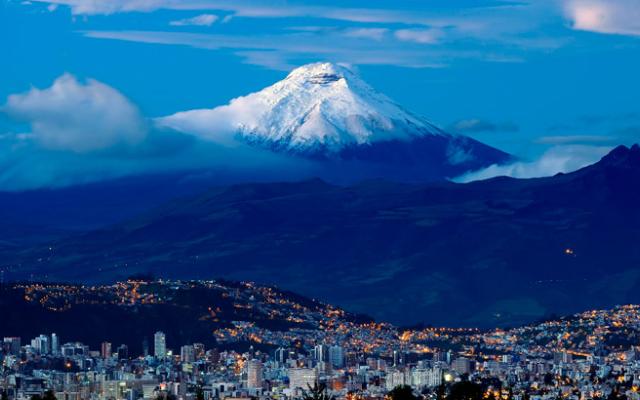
(400, 252)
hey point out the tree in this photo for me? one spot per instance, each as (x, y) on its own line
(465, 391)
(441, 392)
(199, 393)
(317, 392)
(49, 395)
(402, 392)
(4, 396)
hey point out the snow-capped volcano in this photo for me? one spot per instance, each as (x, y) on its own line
(325, 110)
(327, 105)
(320, 104)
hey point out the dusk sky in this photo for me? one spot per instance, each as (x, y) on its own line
(528, 77)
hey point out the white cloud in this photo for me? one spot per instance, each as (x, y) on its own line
(275, 60)
(76, 116)
(366, 33)
(199, 20)
(565, 158)
(423, 36)
(284, 50)
(484, 31)
(475, 125)
(87, 131)
(605, 16)
(483, 21)
(575, 139)
(217, 125)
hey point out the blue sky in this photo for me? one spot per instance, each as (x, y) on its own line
(524, 76)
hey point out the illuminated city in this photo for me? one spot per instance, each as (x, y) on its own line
(589, 355)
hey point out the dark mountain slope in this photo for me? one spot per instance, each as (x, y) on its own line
(497, 251)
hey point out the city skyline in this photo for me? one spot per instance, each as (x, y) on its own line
(580, 355)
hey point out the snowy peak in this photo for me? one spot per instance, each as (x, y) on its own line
(328, 105)
(327, 113)
(320, 74)
(320, 107)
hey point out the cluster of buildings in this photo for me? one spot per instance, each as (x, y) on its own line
(73, 371)
(592, 355)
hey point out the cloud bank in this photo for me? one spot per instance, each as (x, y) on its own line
(562, 158)
(84, 131)
(605, 16)
(198, 20)
(419, 37)
(424, 36)
(415, 37)
(477, 125)
(76, 116)
(88, 131)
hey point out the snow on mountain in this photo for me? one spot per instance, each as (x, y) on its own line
(325, 112)
(319, 105)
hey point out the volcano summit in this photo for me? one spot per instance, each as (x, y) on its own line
(325, 112)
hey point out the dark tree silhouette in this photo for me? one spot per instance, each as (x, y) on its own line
(49, 395)
(441, 392)
(317, 392)
(199, 393)
(402, 392)
(465, 391)
(166, 396)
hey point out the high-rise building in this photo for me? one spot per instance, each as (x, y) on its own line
(55, 344)
(397, 358)
(123, 352)
(145, 346)
(187, 354)
(302, 378)
(12, 344)
(74, 349)
(199, 350)
(439, 356)
(324, 368)
(281, 355)
(463, 365)
(562, 357)
(422, 378)
(321, 352)
(105, 350)
(159, 345)
(397, 377)
(336, 356)
(41, 344)
(213, 356)
(254, 374)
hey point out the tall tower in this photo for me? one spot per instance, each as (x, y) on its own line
(254, 374)
(105, 350)
(187, 354)
(55, 344)
(336, 356)
(159, 345)
(321, 352)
